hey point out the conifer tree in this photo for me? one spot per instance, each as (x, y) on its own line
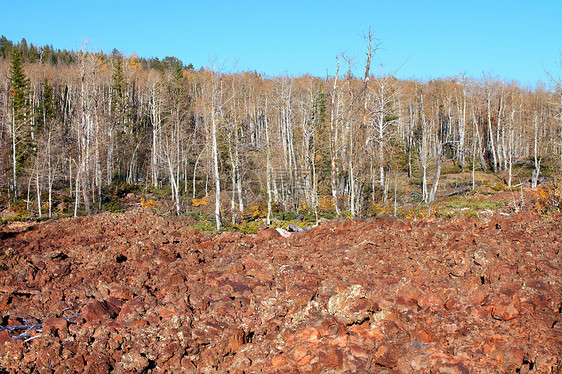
(20, 110)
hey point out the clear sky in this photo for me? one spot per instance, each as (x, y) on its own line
(508, 39)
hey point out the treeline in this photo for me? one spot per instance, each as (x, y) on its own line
(47, 54)
(337, 143)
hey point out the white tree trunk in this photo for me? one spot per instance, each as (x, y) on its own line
(491, 134)
(14, 157)
(216, 174)
(333, 140)
(536, 172)
(268, 170)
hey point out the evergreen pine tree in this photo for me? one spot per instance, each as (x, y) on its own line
(5, 47)
(47, 112)
(20, 107)
(118, 89)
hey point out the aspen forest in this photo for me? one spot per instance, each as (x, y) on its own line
(77, 126)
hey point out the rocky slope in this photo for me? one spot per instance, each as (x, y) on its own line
(141, 293)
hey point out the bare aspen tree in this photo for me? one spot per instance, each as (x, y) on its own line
(424, 152)
(216, 175)
(350, 132)
(268, 165)
(155, 120)
(441, 138)
(462, 126)
(537, 159)
(84, 130)
(489, 122)
(511, 142)
(217, 108)
(334, 115)
(384, 118)
(499, 132)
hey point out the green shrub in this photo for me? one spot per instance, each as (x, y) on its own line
(474, 204)
(206, 226)
(112, 206)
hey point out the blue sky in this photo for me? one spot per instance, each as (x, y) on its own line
(511, 40)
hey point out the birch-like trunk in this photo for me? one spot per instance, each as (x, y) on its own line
(491, 134)
(437, 175)
(536, 172)
(216, 174)
(268, 168)
(424, 151)
(333, 140)
(14, 157)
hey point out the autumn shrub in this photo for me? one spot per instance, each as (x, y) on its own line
(376, 208)
(326, 203)
(256, 211)
(548, 198)
(200, 202)
(149, 203)
(416, 212)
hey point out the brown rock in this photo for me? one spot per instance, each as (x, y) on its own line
(507, 310)
(96, 311)
(278, 361)
(352, 296)
(98, 364)
(450, 368)
(119, 291)
(300, 287)
(131, 310)
(235, 340)
(52, 326)
(268, 234)
(5, 337)
(428, 300)
(548, 362)
(387, 356)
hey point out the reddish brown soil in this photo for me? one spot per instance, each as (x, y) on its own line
(436, 296)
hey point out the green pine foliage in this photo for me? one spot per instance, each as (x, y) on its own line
(19, 88)
(47, 54)
(46, 113)
(20, 105)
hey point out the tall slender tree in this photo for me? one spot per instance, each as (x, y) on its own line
(20, 112)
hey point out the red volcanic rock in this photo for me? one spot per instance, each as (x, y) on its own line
(57, 326)
(387, 356)
(268, 234)
(434, 296)
(506, 310)
(96, 311)
(5, 337)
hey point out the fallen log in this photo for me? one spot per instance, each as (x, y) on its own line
(461, 191)
(37, 327)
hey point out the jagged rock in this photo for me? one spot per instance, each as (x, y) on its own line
(440, 295)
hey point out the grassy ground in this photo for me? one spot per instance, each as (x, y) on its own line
(458, 193)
